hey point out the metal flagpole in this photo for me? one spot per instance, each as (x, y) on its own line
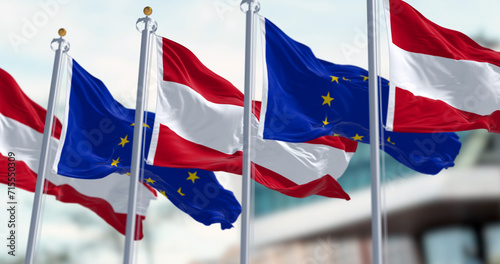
(62, 47)
(253, 7)
(150, 27)
(374, 134)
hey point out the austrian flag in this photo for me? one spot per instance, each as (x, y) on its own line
(199, 123)
(441, 80)
(21, 133)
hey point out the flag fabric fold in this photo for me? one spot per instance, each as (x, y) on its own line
(441, 80)
(97, 140)
(305, 98)
(21, 129)
(199, 121)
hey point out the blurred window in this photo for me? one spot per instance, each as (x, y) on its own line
(457, 245)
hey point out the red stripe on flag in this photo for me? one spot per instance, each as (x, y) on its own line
(182, 153)
(179, 154)
(67, 194)
(16, 105)
(25, 177)
(412, 32)
(324, 186)
(450, 119)
(26, 180)
(180, 65)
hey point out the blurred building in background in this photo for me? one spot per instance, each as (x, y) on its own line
(452, 217)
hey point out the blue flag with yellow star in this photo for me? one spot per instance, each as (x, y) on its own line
(308, 98)
(97, 141)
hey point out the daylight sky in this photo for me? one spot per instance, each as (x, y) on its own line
(105, 42)
(104, 39)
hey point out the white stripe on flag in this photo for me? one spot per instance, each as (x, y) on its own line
(467, 85)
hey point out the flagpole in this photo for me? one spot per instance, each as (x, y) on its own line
(150, 27)
(374, 134)
(246, 204)
(62, 47)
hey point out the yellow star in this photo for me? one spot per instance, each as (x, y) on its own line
(364, 78)
(192, 176)
(345, 79)
(357, 137)
(336, 135)
(143, 125)
(128, 173)
(327, 99)
(179, 191)
(149, 180)
(124, 141)
(325, 122)
(164, 194)
(335, 79)
(115, 162)
(389, 140)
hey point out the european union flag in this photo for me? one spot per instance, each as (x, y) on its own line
(308, 98)
(97, 141)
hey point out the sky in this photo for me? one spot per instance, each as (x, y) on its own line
(105, 42)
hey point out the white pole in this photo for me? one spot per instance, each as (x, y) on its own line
(374, 134)
(62, 47)
(149, 28)
(253, 8)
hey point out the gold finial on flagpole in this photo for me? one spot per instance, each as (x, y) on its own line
(62, 32)
(148, 11)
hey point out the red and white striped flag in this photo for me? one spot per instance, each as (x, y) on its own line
(441, 80)
(21, 133)
(199, 123)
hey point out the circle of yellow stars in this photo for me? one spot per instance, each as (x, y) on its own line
(327, 99)
(192, 176)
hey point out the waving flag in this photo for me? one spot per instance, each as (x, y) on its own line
(199, 123)
(441, 80)
(97, 140)
(306, 98)
(21, 133)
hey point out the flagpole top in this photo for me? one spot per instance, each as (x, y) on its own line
(60, 43)
(62, 32)
(150, 24)
(148, 11)
(254, 4)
